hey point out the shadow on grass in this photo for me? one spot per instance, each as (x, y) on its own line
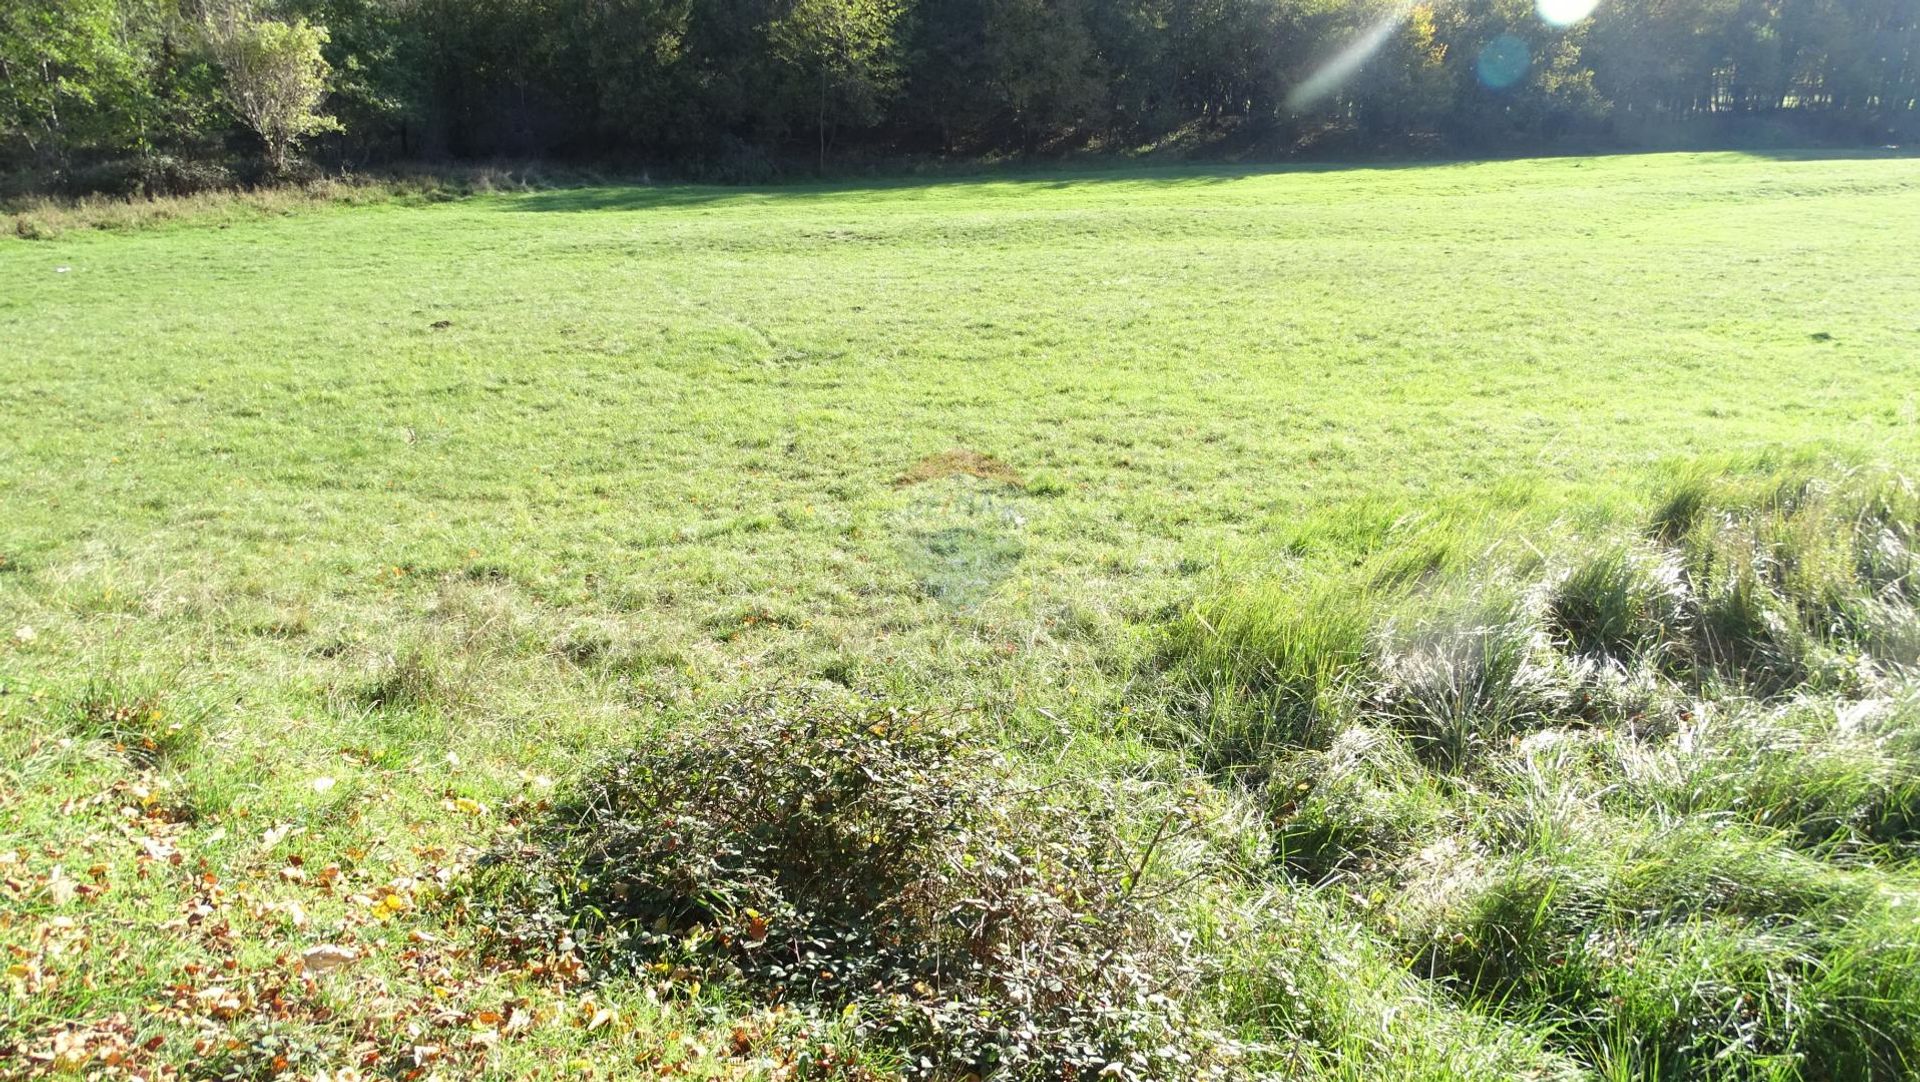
(1029, 178)
(1836, 154)
(668, 196)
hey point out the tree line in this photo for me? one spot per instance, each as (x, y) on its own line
(158, 95)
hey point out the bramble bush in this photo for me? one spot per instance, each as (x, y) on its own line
(872, 859)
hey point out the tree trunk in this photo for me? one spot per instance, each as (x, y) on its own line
(33, 146)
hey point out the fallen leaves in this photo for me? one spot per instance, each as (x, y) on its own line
(592, 1016)
(352, 977)
(60, 889)
(105, 1048)
(219, 1002)
(157, 849)
(288, 910)
(756, 929)
(26, 979)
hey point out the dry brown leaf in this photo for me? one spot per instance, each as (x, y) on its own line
(326, 958)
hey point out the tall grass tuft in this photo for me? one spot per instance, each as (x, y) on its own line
(1623, 605)
(1460, 674)
(145, 718)
(1269, 669)
(1637, 800)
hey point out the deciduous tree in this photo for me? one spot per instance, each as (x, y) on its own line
(276, 78)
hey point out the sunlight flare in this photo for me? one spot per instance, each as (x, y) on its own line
(1565, 12)
(1335, 73)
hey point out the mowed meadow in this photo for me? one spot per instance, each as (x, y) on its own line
(1449, 619)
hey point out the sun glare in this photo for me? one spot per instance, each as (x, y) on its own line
(1346, 62)
(1565, 12)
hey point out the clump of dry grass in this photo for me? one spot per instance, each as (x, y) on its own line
(44, 217)
(47, 217)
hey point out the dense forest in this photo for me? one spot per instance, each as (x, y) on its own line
(165, 95)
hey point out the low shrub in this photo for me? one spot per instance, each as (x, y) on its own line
(869, 859)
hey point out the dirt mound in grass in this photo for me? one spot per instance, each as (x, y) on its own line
(960, 461)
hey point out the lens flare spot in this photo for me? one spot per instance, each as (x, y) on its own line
(1565, 12)
(1503, 62)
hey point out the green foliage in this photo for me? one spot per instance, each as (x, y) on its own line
(736, 89)
(848, 50)
(63, 73)
(379, 68)
(111, 96)
(1041, 63)
(276, 77)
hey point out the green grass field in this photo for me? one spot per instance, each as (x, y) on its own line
(336, 546)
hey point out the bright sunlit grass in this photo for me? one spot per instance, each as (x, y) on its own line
(333, 544)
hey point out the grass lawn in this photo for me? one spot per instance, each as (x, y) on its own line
(334, 546)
